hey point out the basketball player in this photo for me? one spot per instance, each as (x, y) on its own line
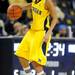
(30, 48)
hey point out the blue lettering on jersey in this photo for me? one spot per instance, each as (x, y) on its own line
(36, 10)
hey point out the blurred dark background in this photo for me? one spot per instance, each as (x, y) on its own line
(67, 23)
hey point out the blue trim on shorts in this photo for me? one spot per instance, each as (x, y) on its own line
(44, 48)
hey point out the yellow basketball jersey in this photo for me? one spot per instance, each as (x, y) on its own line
(39, 15)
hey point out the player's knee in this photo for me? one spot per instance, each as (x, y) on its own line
(23, 61)
(37, 66)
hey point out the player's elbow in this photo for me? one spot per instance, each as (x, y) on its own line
(55, 19)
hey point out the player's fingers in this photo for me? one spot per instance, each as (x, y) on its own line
(45, 40)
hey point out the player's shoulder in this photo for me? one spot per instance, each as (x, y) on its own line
(49, 3)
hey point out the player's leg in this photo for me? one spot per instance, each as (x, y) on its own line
(38, 57)
(25, 65)
(38, 68)
(22, 53)
(41, 54)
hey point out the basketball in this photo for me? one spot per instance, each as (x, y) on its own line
(14, 12)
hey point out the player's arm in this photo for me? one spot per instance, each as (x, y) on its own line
(27, 6)
(52, 10)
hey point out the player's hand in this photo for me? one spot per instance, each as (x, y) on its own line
(14, 4)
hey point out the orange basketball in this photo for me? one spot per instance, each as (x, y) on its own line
(14, 12)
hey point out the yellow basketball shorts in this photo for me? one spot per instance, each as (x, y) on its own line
(30, 47)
